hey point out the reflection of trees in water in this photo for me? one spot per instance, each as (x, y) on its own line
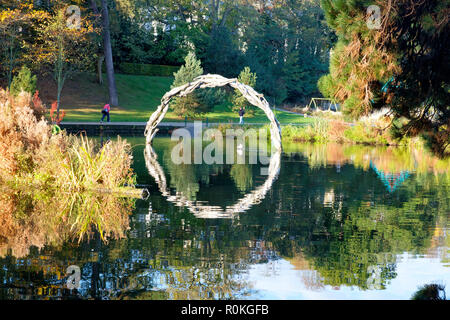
(358, 246)
(242, 176)
(34, 221)
(200, 210)
(203, 267)
(38, 218)
(349, 237)
(186, 178)
(386, 159)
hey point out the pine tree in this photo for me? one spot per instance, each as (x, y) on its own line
(238, 100)
(191, 104)
(402, 65)
(24, 81)
(199, 101)
(191, 69)
(420, 94)
(359, 64)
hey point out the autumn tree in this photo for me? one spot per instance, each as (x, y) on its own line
(16, 25)
(10, 31)
(63, 48)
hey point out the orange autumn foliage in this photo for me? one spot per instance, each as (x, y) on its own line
(54, 114)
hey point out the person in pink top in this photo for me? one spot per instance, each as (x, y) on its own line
(105, 112)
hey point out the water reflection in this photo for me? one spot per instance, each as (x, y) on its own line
(391, 180)
(326, 227)
(181, 198)
(38, 218)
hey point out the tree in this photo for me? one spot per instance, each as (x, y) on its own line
(300, 76)
(16, 21)
(239, 101)
(418, 32)
(63, 49)
(24, 81)
(10, 30)
(402, 65)
(222, 55)
(306, 52)
(286, 44)
(358, 63)
(190, 104)
(113, 97)
(104, 48)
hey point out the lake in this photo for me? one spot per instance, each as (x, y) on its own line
(318, 222)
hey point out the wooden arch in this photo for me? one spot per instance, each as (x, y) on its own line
(211, 81)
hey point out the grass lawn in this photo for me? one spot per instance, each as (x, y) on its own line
(83, 98)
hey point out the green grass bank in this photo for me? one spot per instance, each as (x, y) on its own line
(83, 98)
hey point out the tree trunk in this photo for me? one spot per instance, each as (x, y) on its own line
(59, 76)
(100, 60)
(113, 98)
(9, 71)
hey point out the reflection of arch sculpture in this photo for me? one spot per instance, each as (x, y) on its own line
(211, 81)
(207, 211)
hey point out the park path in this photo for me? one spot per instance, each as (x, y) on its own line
(166, 123)
(161, 124)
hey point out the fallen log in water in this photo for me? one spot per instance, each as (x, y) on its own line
(128, 192)
(124, 192)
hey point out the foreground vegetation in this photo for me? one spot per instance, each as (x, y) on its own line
(59, 171)
(31, 153)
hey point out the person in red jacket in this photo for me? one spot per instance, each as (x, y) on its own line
(105, 112)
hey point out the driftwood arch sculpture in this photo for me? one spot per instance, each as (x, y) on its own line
(211, 81)
(206, 211)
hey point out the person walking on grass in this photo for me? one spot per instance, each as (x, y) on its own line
(241, 115)
(105, 112)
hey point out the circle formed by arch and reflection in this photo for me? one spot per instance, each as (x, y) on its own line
(208, 211)
(211, 81)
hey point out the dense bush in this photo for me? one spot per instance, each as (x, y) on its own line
(155, 70)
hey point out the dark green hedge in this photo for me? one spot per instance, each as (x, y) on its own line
(148, 69)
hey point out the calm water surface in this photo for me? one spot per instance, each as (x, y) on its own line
(328, 222)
